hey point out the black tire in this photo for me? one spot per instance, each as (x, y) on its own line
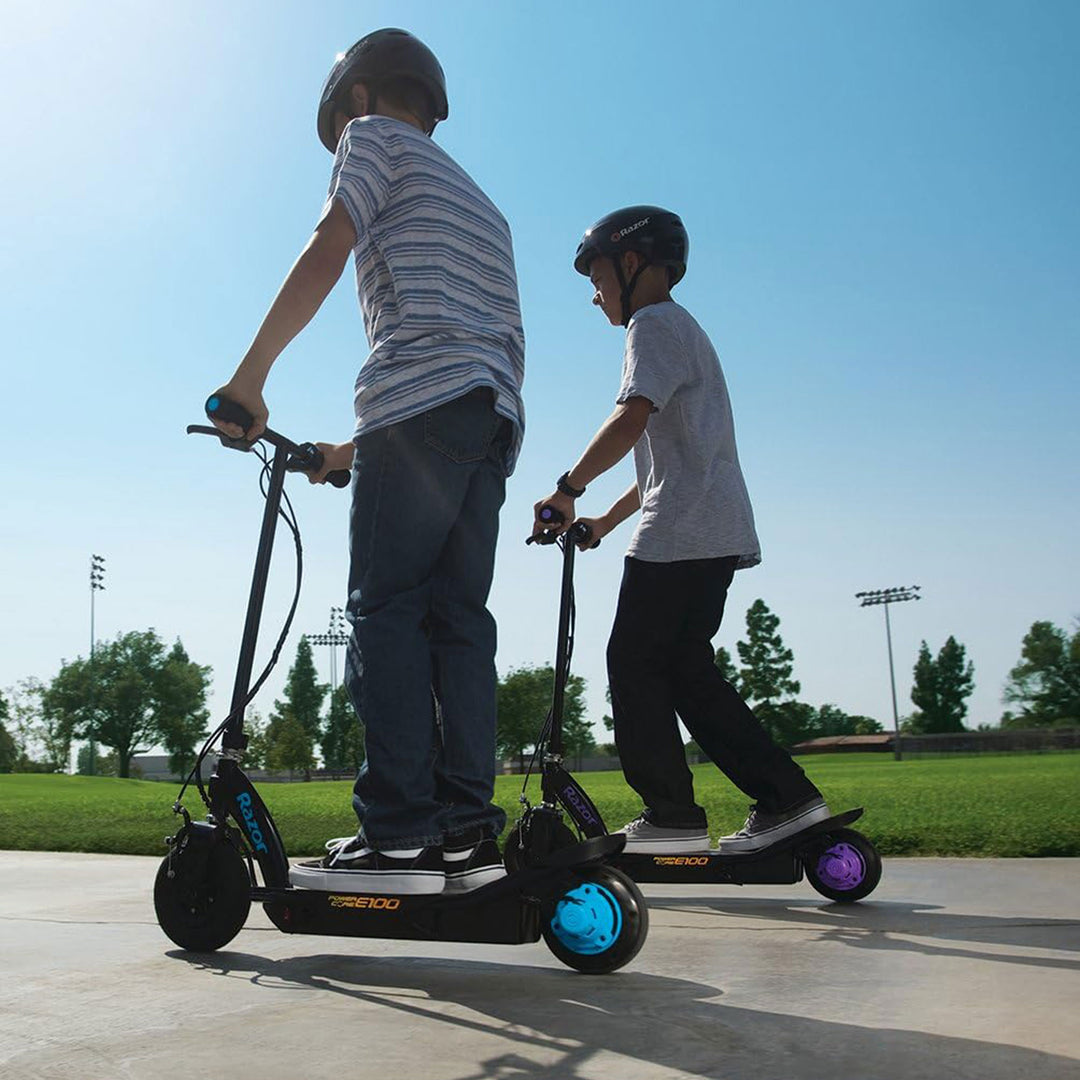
(612, 925)
(842, 865)
(202, 898)
(552, 836)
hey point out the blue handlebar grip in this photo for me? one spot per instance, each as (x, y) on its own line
(220, 408)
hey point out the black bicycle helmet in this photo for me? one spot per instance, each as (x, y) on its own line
(383, 54)
(657, 234)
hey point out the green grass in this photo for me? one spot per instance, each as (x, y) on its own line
(999, 805)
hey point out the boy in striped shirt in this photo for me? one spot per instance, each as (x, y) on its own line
(439, 422)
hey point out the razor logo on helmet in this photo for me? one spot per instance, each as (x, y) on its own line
(617, 236)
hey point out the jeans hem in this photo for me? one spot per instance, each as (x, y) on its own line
(402, 843)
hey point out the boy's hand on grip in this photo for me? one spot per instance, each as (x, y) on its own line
(563, 506)
(233, 401)
(597, 530)
(337, 457)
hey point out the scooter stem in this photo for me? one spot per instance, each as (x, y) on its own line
(234, 737)
(562, 647)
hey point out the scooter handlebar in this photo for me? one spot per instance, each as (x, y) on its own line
(303, 457)
(579, 532)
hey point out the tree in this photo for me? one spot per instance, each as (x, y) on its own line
(523, 700)
(787, 722)
(578, 738)
(9, 752)
(726, 666)
(767, 665)
(300, 708)
(41, 742)
(288, 745)
(1046, 681)
(940, 689)
(303, 692)
(343, 738)
(255, 730)
(834, 721)
(104, 764)
(765, 677)
(182, 713)
(118, 698)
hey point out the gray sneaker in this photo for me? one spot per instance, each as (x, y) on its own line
(762, 829)
(642, 837)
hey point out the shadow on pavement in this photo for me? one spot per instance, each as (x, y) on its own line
(674, 1023)
(872, 924)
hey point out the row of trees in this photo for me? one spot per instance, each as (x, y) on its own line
(765, 680)
(297, 724)
(133, 694)
(136, 693)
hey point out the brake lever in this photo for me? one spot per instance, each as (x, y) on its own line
(232, 444)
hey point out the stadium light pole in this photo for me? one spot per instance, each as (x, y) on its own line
(97, 584)
(336, 635)
(886, 597)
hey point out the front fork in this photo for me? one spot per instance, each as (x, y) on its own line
(232, 795)
(561, 789)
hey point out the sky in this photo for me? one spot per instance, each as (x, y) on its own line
(885, 250)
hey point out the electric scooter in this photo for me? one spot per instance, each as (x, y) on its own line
(839, 862)
(591, 915)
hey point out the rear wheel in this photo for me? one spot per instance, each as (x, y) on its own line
(843, 865)
(598, 924)
(202, 895)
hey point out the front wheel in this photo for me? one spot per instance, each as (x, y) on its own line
(844, 866)
(597, 925)
(202, 895)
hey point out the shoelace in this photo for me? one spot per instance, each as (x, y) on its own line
(751, 820)
(337, 841)
(342, 850)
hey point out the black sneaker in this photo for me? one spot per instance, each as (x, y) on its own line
(352, 867)
(471, 861)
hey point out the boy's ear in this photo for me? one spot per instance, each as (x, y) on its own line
(358, 99)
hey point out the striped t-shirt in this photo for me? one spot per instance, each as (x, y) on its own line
(435, 277)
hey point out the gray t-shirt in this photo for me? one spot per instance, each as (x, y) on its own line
(694, 503)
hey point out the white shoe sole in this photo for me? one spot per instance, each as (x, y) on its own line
(474, 879)
(737, 845)
(399, 883)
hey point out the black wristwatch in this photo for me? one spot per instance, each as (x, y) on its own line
(563, 484)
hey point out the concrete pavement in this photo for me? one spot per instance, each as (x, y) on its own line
(951, 969)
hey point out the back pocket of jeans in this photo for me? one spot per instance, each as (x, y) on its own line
(462, 429)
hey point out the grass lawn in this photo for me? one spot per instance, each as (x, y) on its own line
(989, 805)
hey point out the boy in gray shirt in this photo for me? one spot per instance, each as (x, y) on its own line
(696, 529)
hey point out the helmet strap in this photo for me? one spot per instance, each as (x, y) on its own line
(627, 287)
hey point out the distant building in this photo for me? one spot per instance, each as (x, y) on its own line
(837, 744)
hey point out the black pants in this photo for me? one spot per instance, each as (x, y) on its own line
(660, 662)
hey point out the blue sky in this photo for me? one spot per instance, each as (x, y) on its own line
(884, 234)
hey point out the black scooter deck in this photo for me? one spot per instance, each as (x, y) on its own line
(506, 912)
(778, 864)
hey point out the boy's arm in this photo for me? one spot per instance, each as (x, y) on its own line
(609, 445)
(307, 285)
(628, 503)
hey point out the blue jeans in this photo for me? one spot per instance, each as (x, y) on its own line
(420, 666)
